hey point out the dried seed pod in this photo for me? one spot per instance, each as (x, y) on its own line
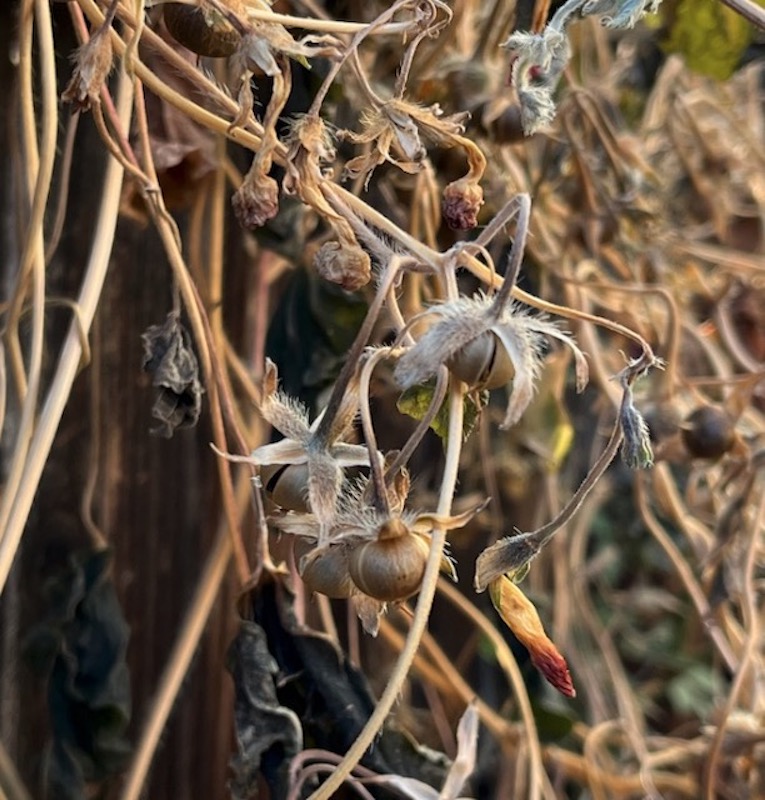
(708, 432)
(287, 485)
(200, 30)
(391, 567)
(482, 363)
(324, 571)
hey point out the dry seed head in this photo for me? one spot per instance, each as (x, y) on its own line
(708, 432)
(520, 334)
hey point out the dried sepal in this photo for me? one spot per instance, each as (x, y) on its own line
(511, 556)
(92, 65)
(520, 615)
(620, 13)
(326, 461)
(369, 611)
(309, 156)
(264, 42)
(464, 320)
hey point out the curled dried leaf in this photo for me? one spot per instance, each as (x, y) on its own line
(170, 359)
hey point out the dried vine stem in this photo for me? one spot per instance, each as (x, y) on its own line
(71, 352)
(32, 265)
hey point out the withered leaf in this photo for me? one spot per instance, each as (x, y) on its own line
(169, 358)
(265, 729)
(80, 649)
(331, 697)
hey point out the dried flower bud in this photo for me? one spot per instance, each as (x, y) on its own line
(636, 447)
(344, 263)
(93, 63)
(461, 203)
(520, 615)
(256, 201)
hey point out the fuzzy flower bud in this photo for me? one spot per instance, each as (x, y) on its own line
(461, 203)
(345, 264)
(93, 63)
(636, 447)
(520, 615)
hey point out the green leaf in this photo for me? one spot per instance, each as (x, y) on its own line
(710, 36)
(553, 724)
(415, 402)
(694, 691)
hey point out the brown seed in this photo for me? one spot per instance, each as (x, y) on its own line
(194, 28)
(708, 432)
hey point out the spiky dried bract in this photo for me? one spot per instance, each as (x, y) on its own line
(521, 335)
(256, 201)
(509, 556)
(326, 460)
(621, 13)
(325, 477)
(462, 200)
(93, 63)
(520, 615)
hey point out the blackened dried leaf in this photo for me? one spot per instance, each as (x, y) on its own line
(81, 648)
(265, 730)
(332, 698)
(169, 358)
